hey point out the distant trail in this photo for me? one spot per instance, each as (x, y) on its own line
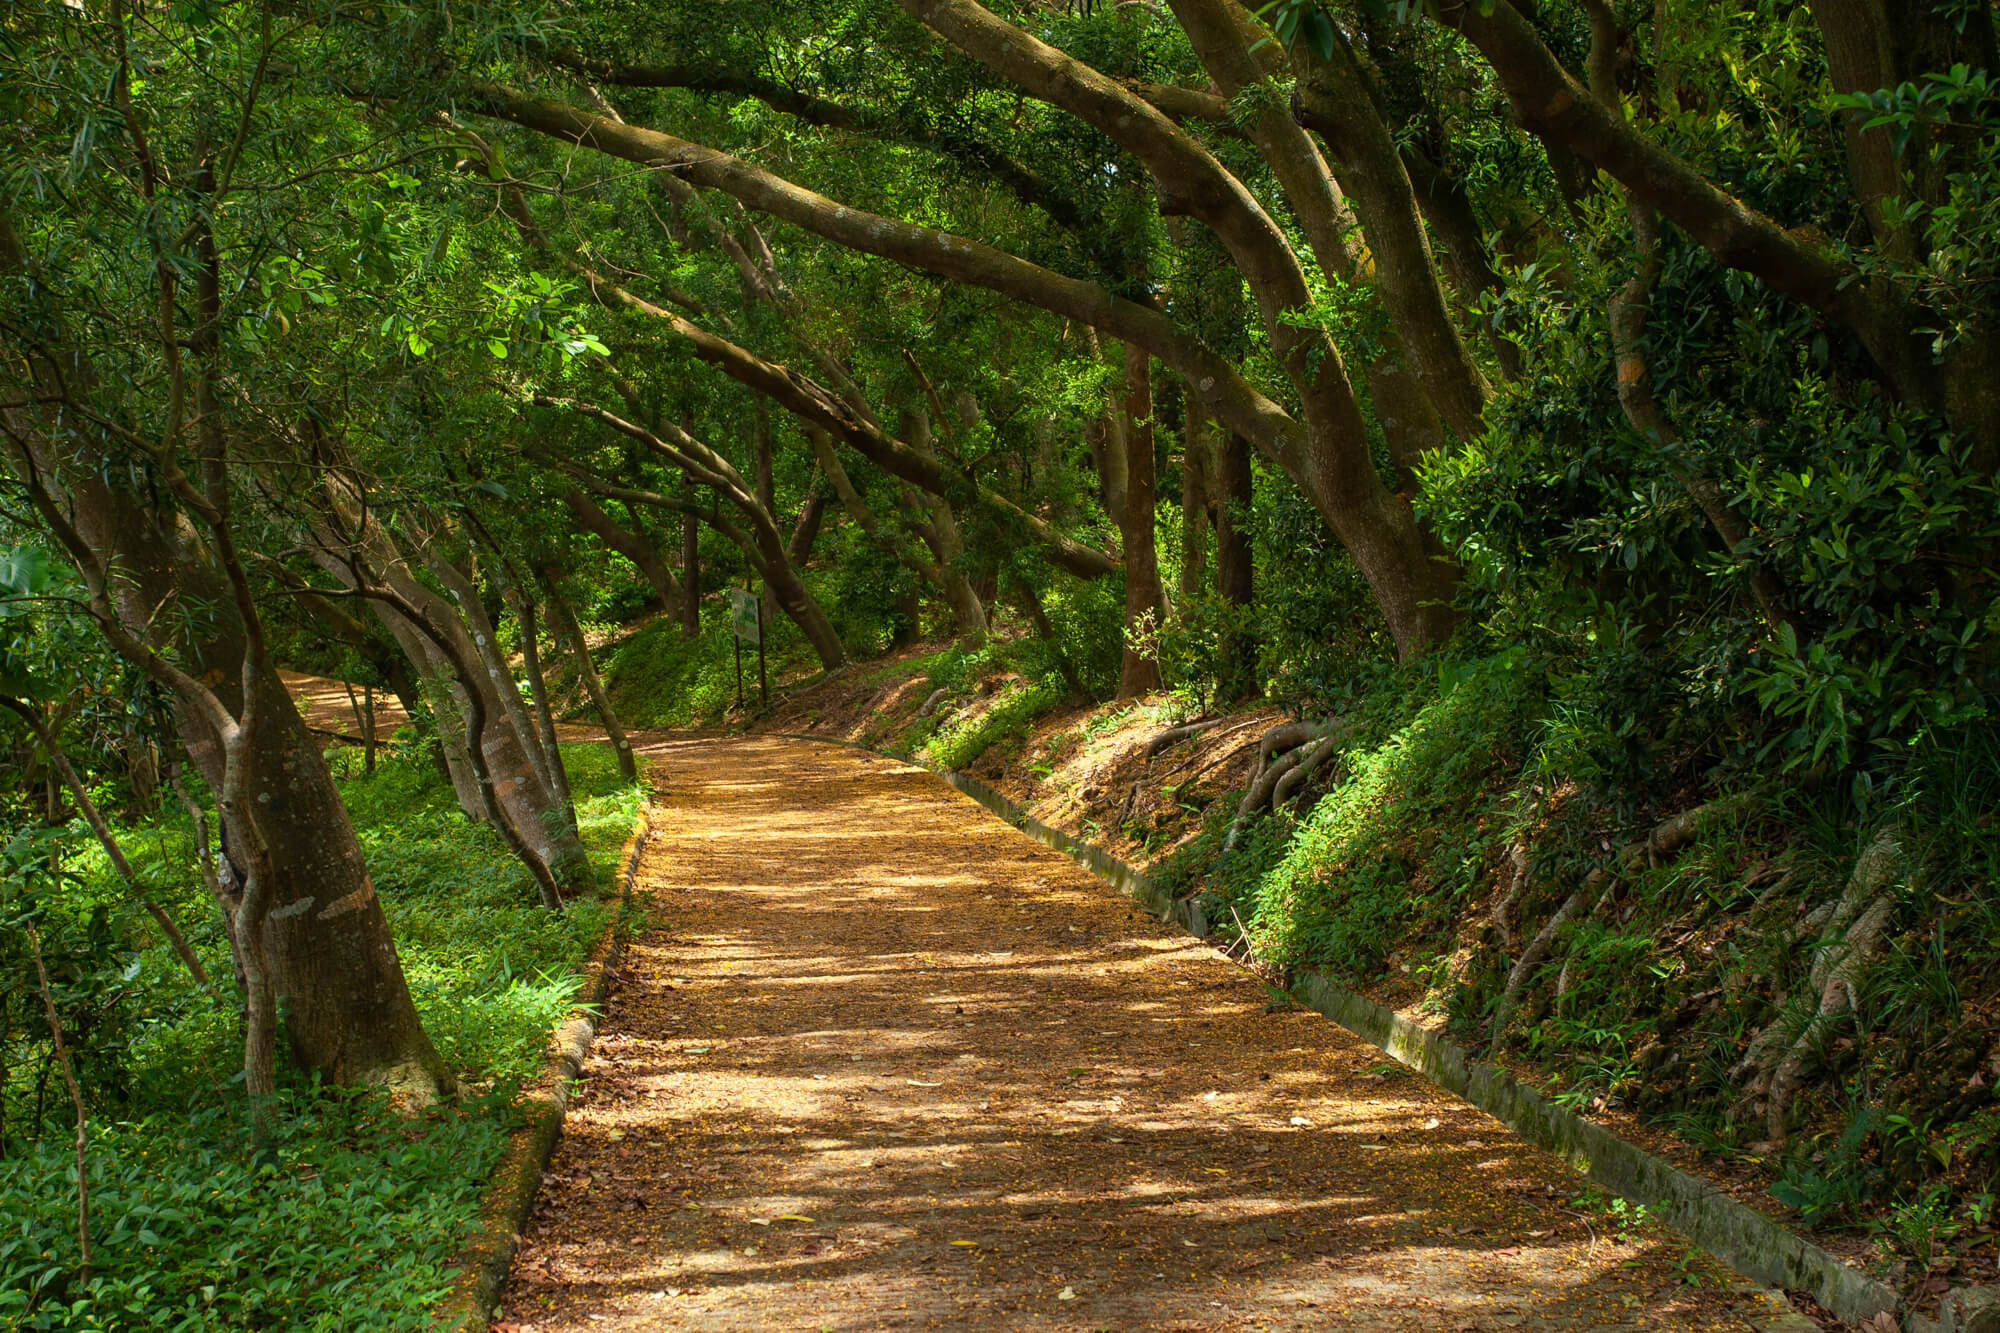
(881, 1061)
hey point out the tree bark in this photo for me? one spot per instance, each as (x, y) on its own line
(1139, 670)
(562, 619)
(805, 531)
(632, 545)
(1235, 565)
(314, 932)
(1196, 452)
(531, 790)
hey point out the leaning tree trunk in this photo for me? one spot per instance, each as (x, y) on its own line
(523, 773)
(538, 685)
(563, 621)
(631, 544)
(322, 943)
(518, 788)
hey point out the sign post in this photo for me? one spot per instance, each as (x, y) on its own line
(746, 621)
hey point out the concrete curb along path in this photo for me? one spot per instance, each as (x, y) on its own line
(1745, 1239)
(468, 1308)
(880, 1063)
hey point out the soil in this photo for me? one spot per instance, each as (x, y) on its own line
(878, 1060)
(332, 715)
(1090, 772)
(1087, 770)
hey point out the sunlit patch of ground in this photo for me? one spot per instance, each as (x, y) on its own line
(880, 1061)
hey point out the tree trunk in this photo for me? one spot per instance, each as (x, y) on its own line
(1139, 669)
(523, 776)
(767, 485)
(690, 570)
(1235, 576)
(805, 532)
(538, 685)
(1196, 451)
(632, 545)
(940, 533)
(321, 943)
(518, 789)
(563, 620)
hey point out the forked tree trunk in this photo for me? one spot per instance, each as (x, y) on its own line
(519, 790)
(322, 951)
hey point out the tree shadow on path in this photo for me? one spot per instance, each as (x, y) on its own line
(879, 1060)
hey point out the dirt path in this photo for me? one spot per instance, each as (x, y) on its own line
(880, 1061)
(329, 711)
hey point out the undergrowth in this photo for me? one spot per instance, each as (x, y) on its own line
(657, 678)
(1474, 797)
(962, 741)
(348, 1215)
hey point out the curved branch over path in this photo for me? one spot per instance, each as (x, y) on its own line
(1552, 105)
(1330, 462)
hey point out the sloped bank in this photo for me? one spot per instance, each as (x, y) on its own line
(1800, 1009)
(1745, 1239)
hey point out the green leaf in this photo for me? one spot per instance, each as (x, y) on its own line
(24, 571)
(1319, 35)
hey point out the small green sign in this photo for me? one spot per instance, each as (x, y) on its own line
(743, 617)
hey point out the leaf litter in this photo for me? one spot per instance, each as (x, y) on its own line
(818, 902)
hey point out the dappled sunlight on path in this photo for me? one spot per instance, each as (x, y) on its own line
(881, 1061)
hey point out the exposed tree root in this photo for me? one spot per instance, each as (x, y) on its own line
(1175, 735)
(1538, 948)
(1309, 762)
(1849, 933)
(1667, 837)
(1278, 753)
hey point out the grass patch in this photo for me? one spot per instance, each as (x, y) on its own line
(349, 1216)
(962, 742)
(1390, 855)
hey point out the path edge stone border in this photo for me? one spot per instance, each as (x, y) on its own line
(489, 1253)
(1741, 1237)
